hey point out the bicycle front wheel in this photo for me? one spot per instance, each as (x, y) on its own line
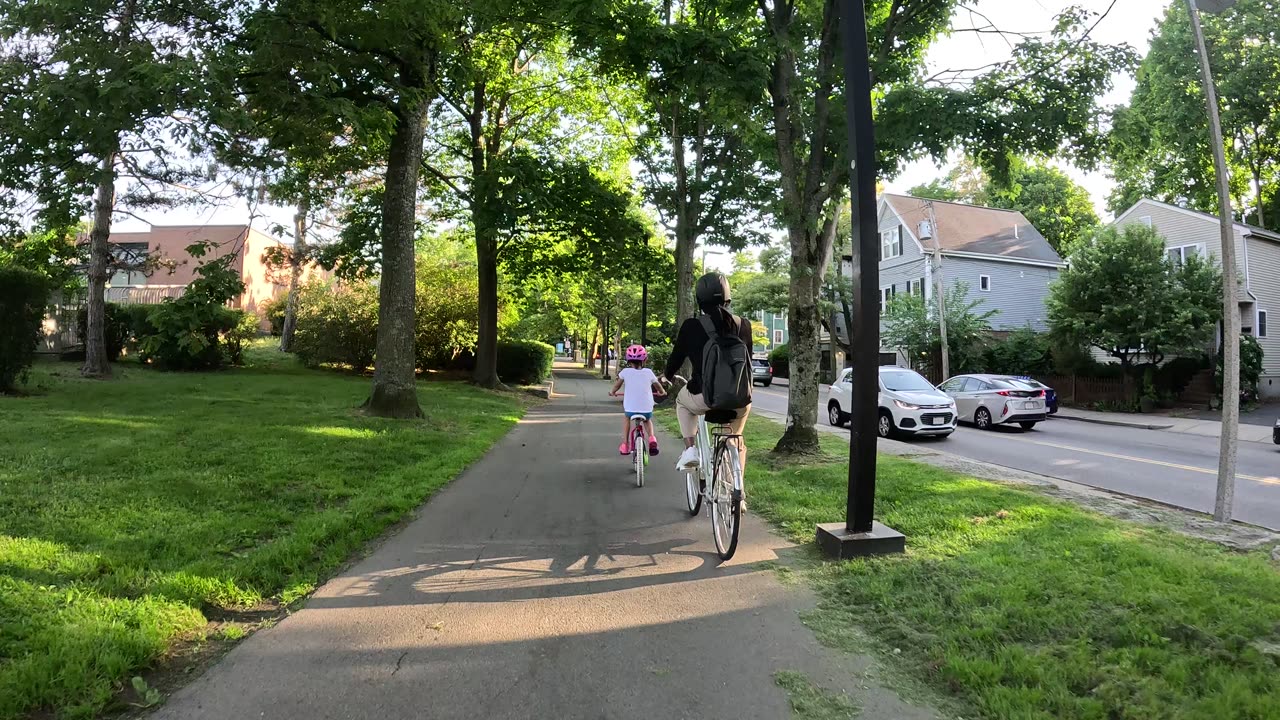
(726, 502)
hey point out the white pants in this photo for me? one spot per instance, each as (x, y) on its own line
(690, 407)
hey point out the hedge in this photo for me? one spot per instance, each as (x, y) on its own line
(24, 295)
(780, 359)
(337, 324)
(524, 362)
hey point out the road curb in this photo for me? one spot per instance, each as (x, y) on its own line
(1117, 423)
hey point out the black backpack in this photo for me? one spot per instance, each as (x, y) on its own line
(726, 370)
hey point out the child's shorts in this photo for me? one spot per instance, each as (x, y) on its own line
(645, 415)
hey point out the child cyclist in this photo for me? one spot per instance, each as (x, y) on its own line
(639, 386)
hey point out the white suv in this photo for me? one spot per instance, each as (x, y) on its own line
(909, 405)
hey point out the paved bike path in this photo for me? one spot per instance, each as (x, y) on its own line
(543, 584)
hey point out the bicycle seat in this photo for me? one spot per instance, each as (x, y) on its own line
(638, 417)
(721, 417)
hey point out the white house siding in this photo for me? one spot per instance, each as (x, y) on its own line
(1264, 283)
(1018, 291)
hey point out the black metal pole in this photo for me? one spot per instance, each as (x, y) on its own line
(644, 314)
(865, 347)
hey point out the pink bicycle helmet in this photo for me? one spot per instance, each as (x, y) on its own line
(637, 353)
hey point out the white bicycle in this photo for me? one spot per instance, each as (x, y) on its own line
(717, 450)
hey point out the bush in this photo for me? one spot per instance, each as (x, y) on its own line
(1250, 368)
(337, 324)
(1022, 352)
(245, 329)
(187, 333)
(137, 321)
(446, 313)
(1173, 376)
(658, 356)
(780, 359)
(273, 311)
(24, 295)
(524, 362)
(116, 328)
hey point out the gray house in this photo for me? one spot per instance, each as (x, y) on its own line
(1187, 232)
(1005, 261)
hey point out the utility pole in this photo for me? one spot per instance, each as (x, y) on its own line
(1230, 303)
(860, 534)
(938, 288)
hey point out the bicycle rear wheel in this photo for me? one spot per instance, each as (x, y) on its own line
(693, 490)
(726, 502)
(638, 453)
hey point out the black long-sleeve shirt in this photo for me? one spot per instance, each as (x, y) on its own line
(690, 342)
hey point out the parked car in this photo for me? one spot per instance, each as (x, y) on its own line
(1275, 432)
(1050, 395)
(909, 405)
(990, 400)
(761, 372)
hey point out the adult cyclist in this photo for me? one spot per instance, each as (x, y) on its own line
(712, 294)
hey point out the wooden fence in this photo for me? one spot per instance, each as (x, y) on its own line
(1083, 391)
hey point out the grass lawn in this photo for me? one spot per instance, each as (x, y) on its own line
(132, 509)
(1017, 605)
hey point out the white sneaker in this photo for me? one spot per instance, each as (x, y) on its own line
(689, 459)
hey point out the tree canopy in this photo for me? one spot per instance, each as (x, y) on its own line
(1124, 295)
(1160, 145)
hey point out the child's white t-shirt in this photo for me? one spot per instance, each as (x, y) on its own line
(637, 389)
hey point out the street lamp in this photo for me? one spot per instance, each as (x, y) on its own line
(860, 534)
(1230, 305)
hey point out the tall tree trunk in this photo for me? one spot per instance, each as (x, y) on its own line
(395, 392)
(295, 274)
(486, 374)
(591, 347)
(96, 362)
(686, 238)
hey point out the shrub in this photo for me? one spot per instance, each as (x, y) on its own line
(337, 324)
(137, 321)
(24, 294)
(1022, 352)
(186, 333)
(658, 356)
(116, 328)
(273, 311)
(245, 329)
(780, 359)
(1173, 376)
(446, 312)
(1250, 368)
(524, 362)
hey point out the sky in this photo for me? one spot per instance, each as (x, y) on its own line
(1129, 21)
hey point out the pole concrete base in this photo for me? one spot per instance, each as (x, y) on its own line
(838, 543)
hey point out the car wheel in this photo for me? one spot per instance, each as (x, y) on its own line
(834, 416)
(884, 425)
(982, 418)
(767, 383)
(1027, 425)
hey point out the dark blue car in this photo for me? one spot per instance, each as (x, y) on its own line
(1050, 395)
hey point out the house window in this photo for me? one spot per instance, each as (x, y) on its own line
(1180, 253)
(777, 336)
(984, 283)
(887, 294)
(891, 243)
(919, 288)
(1262, 324)
(132, 256)
(1145, 220)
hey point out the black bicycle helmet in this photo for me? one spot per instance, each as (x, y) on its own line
(712, 289)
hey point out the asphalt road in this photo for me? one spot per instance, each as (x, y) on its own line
(543, 584)
(1173, 468)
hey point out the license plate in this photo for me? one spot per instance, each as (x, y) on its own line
(1031, 405)
(933, 421)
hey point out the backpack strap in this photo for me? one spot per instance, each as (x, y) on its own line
(709, 326)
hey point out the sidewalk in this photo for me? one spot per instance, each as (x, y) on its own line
(543, 584)
(1189, 426)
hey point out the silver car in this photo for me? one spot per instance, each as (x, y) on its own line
(990, 400)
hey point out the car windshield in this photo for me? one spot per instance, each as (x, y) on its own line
(905, 382)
